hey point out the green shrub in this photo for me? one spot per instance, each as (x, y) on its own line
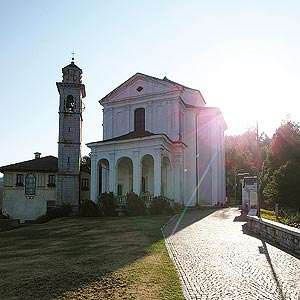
(89, 209)
(160, 205)
(289, 217)
(107, 204)
(177, 207)
(59, 212)
(53, 213)
(134, 205)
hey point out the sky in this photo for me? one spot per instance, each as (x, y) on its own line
(244, 57)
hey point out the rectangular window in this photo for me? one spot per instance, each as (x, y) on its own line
(51, 181)
(143, 184)
(120, 190)
(50, 205)
(139, 119)
(20, 180)
(85, 184)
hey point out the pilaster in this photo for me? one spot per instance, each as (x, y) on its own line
(94, 177)
(112, 172)
(136, 172)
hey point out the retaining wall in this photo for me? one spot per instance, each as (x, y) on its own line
(284, 235)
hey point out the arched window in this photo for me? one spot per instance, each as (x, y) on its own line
(70, 104)
(30, 184)
(139, 119)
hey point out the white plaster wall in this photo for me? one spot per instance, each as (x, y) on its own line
(161, 116)
(189, 138)
(17, 206)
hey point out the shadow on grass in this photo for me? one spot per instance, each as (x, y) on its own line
(49, 260)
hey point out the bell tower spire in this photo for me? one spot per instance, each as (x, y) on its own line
(71, 91)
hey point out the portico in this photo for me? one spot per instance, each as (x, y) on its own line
(140, 162)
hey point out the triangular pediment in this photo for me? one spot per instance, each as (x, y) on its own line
(140, 85)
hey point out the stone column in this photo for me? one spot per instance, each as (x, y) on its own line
(112, 172)
(180, 179)
(157, 172)
(136, 172)
(94, 178)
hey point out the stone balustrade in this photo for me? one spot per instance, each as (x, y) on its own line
(284, 235)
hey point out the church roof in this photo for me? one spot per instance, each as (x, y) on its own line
(72, 65)
(136, 134)
(44, 164)
(178, 84)
(131, 135)
(164, 80)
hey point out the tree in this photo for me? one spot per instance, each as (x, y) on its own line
(241, 156)
(281, 168)
(283, 185)
(86, 161)
(285, 145)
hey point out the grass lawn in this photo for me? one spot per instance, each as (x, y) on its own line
(268, 214)
(92, 258)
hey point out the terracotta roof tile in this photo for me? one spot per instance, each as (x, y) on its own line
(46, 164)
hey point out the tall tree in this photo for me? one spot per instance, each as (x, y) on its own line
(281, 168)
(241, 155)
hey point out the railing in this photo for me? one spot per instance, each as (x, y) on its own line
(120, 200)
(147, 198)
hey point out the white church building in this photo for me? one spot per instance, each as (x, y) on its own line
(159, 138)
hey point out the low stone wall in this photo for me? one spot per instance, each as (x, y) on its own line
(284, 235)
(7, 224)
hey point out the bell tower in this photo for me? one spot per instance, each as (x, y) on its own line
(71, 92)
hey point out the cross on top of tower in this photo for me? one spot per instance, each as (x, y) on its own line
(73, 55)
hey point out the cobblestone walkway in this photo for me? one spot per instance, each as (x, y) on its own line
(216, 260)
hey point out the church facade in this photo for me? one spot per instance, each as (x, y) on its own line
(159, 138)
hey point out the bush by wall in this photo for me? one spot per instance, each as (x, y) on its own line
(42, 219)
(160, 205)
(107, 204)
(134, 205)
(89, 209)
(57, 212)
(290, 217)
